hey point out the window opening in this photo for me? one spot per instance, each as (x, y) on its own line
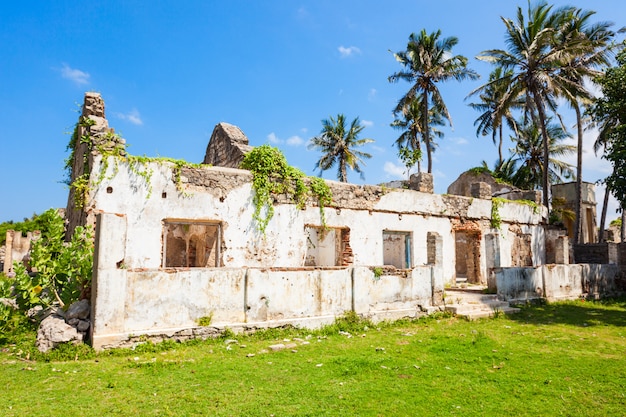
(328, 246)
(397, 249)
(191, 244)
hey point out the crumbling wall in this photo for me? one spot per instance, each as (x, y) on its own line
(227, 146)
(17, 248)
(92, 136)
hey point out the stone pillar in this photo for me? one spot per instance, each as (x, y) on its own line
(561, 250)
(493, 258)
(422, 182)
(434, 249)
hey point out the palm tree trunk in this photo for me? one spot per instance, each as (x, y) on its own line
(343, 173)
(545, 184)
(419, 161)
(579, 178)
(500, 144)
(426, 131)
(605, 204)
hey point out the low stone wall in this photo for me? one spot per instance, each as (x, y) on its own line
(166, 303)
(558, 282)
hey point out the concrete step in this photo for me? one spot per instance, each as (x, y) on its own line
(474, 304)
(454, 296)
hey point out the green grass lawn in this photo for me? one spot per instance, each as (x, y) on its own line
(558, 359)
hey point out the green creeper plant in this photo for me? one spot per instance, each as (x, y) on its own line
(272, 175)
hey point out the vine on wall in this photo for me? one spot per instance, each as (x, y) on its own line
(272, 175)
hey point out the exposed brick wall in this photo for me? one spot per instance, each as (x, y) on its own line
(596, 253)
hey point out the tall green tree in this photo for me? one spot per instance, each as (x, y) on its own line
(528, 156)
(427, 61)
(492, 113)
(408, 119)
(338, 142)
(609, 111)
(536, 52)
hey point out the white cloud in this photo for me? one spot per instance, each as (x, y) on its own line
(367, 123)
(272, 138)
(291, 141)
(132, 116)
(348, 51)
(372, 94)
(77, 76)
(295, 141)
(394, 170)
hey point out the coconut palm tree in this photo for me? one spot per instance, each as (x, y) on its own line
(337, 142)
(536, 53)
(528, 155)
(409, 121)
(492, 113)
(580, 68)
(428, 60)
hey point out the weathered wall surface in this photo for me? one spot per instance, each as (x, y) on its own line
(165, 301)
(557, 282)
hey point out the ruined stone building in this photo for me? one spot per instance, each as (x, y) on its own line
(567, 194)
(175, 244)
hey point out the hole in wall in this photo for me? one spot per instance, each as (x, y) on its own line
(109, 190)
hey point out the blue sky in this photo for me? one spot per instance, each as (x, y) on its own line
(169, 71)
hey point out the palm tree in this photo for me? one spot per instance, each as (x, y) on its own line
(427, 61)
(536, 53)
(409, 121)
(585, 66)
(492, 113)
(528, 155)
(337, 144)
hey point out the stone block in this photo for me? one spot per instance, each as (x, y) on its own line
(480, 190)
(422, 182)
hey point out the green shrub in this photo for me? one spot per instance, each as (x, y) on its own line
(59, 270)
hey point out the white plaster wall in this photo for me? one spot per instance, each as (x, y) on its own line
(562, 281)
(391, 292)
(519, 282)
(287, 295)
(178, 299)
